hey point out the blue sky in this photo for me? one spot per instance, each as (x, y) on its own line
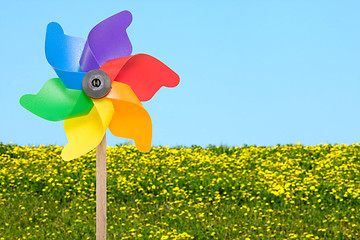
(251, 72)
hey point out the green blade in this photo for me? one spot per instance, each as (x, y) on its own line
(55, 102)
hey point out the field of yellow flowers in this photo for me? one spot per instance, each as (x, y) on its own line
(250, 192)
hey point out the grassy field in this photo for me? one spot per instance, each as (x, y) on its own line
(281, 192)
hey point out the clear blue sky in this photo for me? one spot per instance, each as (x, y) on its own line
(251, 72)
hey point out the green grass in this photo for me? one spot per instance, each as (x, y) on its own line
(249, 192)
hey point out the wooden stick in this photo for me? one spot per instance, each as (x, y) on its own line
(101, 190)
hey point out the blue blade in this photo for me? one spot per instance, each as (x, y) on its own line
(63, 54)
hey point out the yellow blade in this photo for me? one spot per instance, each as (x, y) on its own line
(130, 120)
(86, 132)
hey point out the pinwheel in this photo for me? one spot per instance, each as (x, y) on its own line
(100, 85)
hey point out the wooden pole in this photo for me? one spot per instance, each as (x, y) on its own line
(101, 190)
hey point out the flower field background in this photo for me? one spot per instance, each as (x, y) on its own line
(281, 192)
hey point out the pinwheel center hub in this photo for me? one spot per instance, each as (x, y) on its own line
(96, 83)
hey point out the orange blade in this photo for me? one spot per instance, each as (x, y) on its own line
(130, 119)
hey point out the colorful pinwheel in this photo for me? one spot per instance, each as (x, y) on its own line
(100, 85)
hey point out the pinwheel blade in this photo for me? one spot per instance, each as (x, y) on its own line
(107, 40)
(86, 132)
(55, 102)
(143, 73)
(63, 54)
(130, 120)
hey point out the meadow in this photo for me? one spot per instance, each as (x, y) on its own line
(249, 192)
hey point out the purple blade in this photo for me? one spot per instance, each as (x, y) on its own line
(107, 40)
